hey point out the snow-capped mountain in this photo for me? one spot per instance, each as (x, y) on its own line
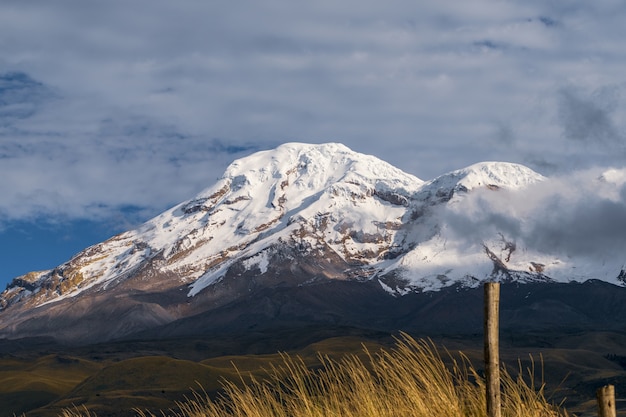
(294, 216)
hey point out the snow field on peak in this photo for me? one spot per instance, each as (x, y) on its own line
(345, 218)
(316, 167)
(492, 175)
(452, 229)
(259, 197)
(501, 174)
(438, 263)
(545, 220)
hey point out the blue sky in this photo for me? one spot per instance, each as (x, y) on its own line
(111, 112)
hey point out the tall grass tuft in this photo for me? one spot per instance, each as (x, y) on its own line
(76, 412)
(412, 379)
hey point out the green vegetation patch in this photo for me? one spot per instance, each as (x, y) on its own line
(26, 384)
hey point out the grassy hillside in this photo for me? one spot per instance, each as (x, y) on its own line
(112, 380)
(26, 383)
(410, 379)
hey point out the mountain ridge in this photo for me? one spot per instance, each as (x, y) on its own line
(293, 216)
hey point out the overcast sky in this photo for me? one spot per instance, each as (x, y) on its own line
(112, 111)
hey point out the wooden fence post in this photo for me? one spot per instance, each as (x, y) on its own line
(606, 401)
(492, 349)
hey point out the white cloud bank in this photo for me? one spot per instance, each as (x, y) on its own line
(579, 214)
(114, 104)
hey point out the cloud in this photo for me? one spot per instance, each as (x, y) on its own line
(142, 104)
(582, 214)
(589, 118)
(20, 96)
(131, 164)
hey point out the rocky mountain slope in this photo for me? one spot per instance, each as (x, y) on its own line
(299, 215)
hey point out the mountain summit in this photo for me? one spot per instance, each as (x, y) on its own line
(299, 215)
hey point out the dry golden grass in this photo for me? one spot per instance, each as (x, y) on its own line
(77, 412)
(411, 379)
